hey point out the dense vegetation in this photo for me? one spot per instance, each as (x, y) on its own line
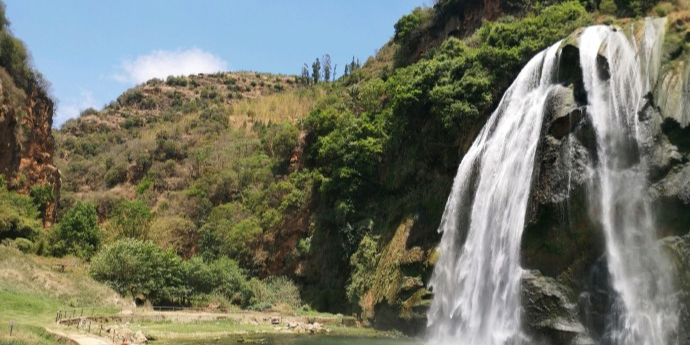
(239, 187)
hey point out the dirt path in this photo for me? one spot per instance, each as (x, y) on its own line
(81, 339)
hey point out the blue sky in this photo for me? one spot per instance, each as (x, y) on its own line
(92, 51)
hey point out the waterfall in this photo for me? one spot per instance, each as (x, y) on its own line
(643, 312)
(476, 281)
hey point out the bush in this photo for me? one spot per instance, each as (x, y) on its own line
(42, 195)
(177, 234)
(274, 291)
(116, 175)
(77, 233)
(131, 219)
(608, 7)
(137, 268)
(23, 244)
(176, 81)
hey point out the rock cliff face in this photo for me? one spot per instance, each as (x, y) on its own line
(26, 141)
(562, 246)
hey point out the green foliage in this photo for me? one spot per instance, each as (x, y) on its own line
(131, 219)
(168, 147)
(316, 71)
(634, 8)
(408, 33)
(230, 231)
(144, 185)
(136, 268)
(363, 263)
(77, 233)
(608, 7)
(142, 269)
(131, 97)
(116, 175)
(177, 234)
(18, 215)
(275, 291)
(42, 195)
(23, 244)
(176, 81)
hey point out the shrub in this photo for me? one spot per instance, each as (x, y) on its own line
(176, 81)
(116, 175)
(42, 195)
(140, 268)
(131, 219)
(274, 291)
(133, 122)
(77, 233)
(144, 185)
(133, 267)
(131, 97)
(608, 7)
(177, 234)
(88, 111)
(23, 244)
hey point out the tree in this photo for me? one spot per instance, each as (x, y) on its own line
(326, 66)
(305, 75)
(136, 267)
(78, 232)
(132, 219)
(316, 71)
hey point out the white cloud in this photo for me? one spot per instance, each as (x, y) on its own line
(161, 63)
(72, 108)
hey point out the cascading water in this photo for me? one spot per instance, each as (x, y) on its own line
(476, 281)
(643, 312)
(476, 285)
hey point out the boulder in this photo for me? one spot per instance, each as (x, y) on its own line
(550, 312)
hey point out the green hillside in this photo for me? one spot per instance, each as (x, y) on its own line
(229, 187)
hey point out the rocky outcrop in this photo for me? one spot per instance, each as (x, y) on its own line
(26, 141)
(550, 313)
(567, 285)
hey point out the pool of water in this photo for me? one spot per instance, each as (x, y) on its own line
(292, 340)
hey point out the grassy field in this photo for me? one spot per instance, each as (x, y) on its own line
(32, 290)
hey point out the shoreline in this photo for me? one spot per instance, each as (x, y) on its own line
(163, 327)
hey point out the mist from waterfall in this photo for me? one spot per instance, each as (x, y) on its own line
(476, 281)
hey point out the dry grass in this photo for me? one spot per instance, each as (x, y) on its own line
(278, 107)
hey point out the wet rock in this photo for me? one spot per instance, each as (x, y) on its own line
(678, 250)
(671, 201)
(562, 112)
(602, 63)
(549, 311)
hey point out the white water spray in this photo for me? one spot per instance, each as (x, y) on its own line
(643, 311)
(476, 285)
(476, 281)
